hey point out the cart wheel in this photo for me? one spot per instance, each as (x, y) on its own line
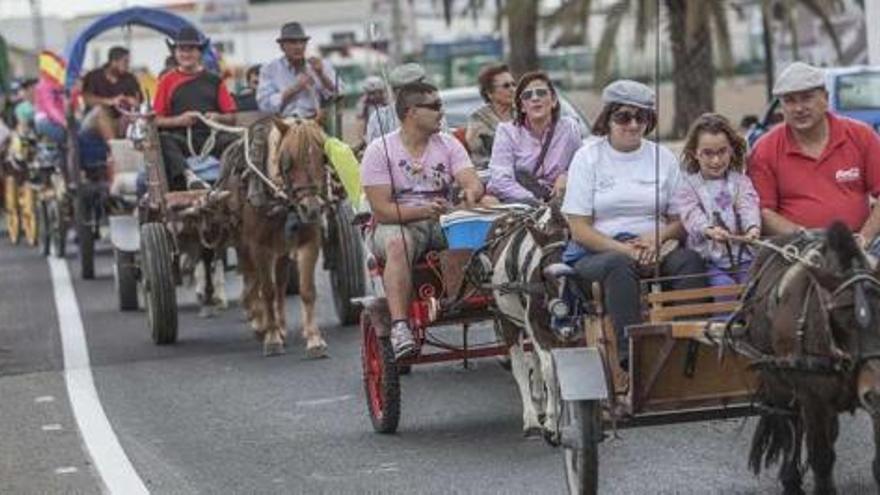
(29, 216)
(381, 382)
(292, 278)
(581, 423)
(125, 277)
(57, 228)
(85, 235)
(158, 277)
(13, 220)
(45, 228)
(347, 275)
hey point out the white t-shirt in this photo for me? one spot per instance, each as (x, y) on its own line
(618, 189)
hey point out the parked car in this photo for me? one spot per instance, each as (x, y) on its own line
(852, 92)
(459, 103)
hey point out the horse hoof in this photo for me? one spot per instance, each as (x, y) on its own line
(551, 437)
(273, 349)
(207, 312)
(317, 351)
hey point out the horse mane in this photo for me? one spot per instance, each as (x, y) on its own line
(841, 242)
(301, 140)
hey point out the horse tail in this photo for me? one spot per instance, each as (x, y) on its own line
(774, 439)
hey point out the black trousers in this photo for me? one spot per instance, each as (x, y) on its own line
(617, 274)
(175, 151)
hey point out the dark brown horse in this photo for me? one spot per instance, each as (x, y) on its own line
(275, 231)
(812, 324)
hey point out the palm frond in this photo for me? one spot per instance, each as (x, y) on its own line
(823, 10)
(607, 44)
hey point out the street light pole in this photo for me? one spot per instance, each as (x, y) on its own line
(872, 10)
(37, 18)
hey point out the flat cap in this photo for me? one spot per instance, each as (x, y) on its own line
(798, 77)
(405, 74)
(629, 92)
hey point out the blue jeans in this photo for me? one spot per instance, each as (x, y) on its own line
(52, 130)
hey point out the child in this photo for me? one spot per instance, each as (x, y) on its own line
(715, 199)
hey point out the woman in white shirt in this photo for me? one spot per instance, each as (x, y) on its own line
(610, 204)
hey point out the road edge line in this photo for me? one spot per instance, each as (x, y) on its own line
(113, 466)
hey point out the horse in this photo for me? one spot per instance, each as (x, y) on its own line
(810, 321)
(520, 250)
(273, 232)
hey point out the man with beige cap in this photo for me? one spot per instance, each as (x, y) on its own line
(816, 167)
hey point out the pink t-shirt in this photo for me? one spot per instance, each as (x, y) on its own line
(415, 180)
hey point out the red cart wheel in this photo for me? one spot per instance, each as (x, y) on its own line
(381, 381)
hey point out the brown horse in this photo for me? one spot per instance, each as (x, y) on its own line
(272, 232)
(811, 315)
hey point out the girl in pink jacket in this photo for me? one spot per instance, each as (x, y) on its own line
(715, 199)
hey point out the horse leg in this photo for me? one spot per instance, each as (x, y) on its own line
(790, 473)
(519, 365)
(205, 282)
(273, 345)
(307, 258)
(282, 278)
(822, 427)
(552, 404)
(218, 281)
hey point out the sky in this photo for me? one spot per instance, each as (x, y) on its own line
(67, 8)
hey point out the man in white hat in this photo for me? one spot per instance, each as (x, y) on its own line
(817, 167)
(293, 85)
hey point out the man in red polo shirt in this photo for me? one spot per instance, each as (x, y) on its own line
(817, 167)
(183, 93)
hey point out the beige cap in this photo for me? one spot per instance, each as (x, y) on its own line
(798, 77)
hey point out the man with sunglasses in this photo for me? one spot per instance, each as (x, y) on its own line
(816, 167)
(408, 176)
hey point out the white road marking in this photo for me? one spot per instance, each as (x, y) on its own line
(66, 470)
(52, 427)
(321, 402)
(114, 467)
(44, 398)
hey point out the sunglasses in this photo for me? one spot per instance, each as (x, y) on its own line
(534, 93)
(435, 106)
(625, 117)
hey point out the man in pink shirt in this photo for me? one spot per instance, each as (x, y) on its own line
(407, 176)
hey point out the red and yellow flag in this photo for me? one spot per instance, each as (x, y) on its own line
(52, 67)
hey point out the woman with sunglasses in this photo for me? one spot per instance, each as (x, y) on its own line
(613, 186)
(530, 155)
(496, 88)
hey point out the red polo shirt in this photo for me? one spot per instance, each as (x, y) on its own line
(814, 192)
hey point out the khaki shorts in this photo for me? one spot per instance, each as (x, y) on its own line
(421, 237)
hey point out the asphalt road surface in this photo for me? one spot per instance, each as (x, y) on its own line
(211, 415)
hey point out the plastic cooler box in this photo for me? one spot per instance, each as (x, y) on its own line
(466, 230)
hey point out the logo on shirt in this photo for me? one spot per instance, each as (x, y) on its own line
(847, 174)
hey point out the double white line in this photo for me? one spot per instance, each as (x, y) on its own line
(114, 467)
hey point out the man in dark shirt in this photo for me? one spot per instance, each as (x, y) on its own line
(181, 95)
(108, 87)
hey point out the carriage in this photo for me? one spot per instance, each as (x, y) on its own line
(675, 371)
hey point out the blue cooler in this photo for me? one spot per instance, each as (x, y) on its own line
(467, 230)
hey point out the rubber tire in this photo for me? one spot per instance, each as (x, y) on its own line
(348, 275)
(292, 278)
(582, 464)
(160, 295)
(381, 380)
(125, 278)
(57, 228)
(45, 229)
(86, 239)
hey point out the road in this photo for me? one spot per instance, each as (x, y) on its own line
(211, 415)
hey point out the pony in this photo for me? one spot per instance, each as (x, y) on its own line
(522, 246)
(274, 231)
(810, 322)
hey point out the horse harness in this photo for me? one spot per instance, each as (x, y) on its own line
(839, 361)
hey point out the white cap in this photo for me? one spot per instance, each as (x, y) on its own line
(798, 77)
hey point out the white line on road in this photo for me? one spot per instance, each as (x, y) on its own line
(44, 398)
(321, 402)
(66, 470)
(112, 464)
(52, 427)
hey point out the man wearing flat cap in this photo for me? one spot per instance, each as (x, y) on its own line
(292, 85)
(181, 95)
(383, 119)
(817, 167)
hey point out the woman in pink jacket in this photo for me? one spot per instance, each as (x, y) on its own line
(715, 199)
